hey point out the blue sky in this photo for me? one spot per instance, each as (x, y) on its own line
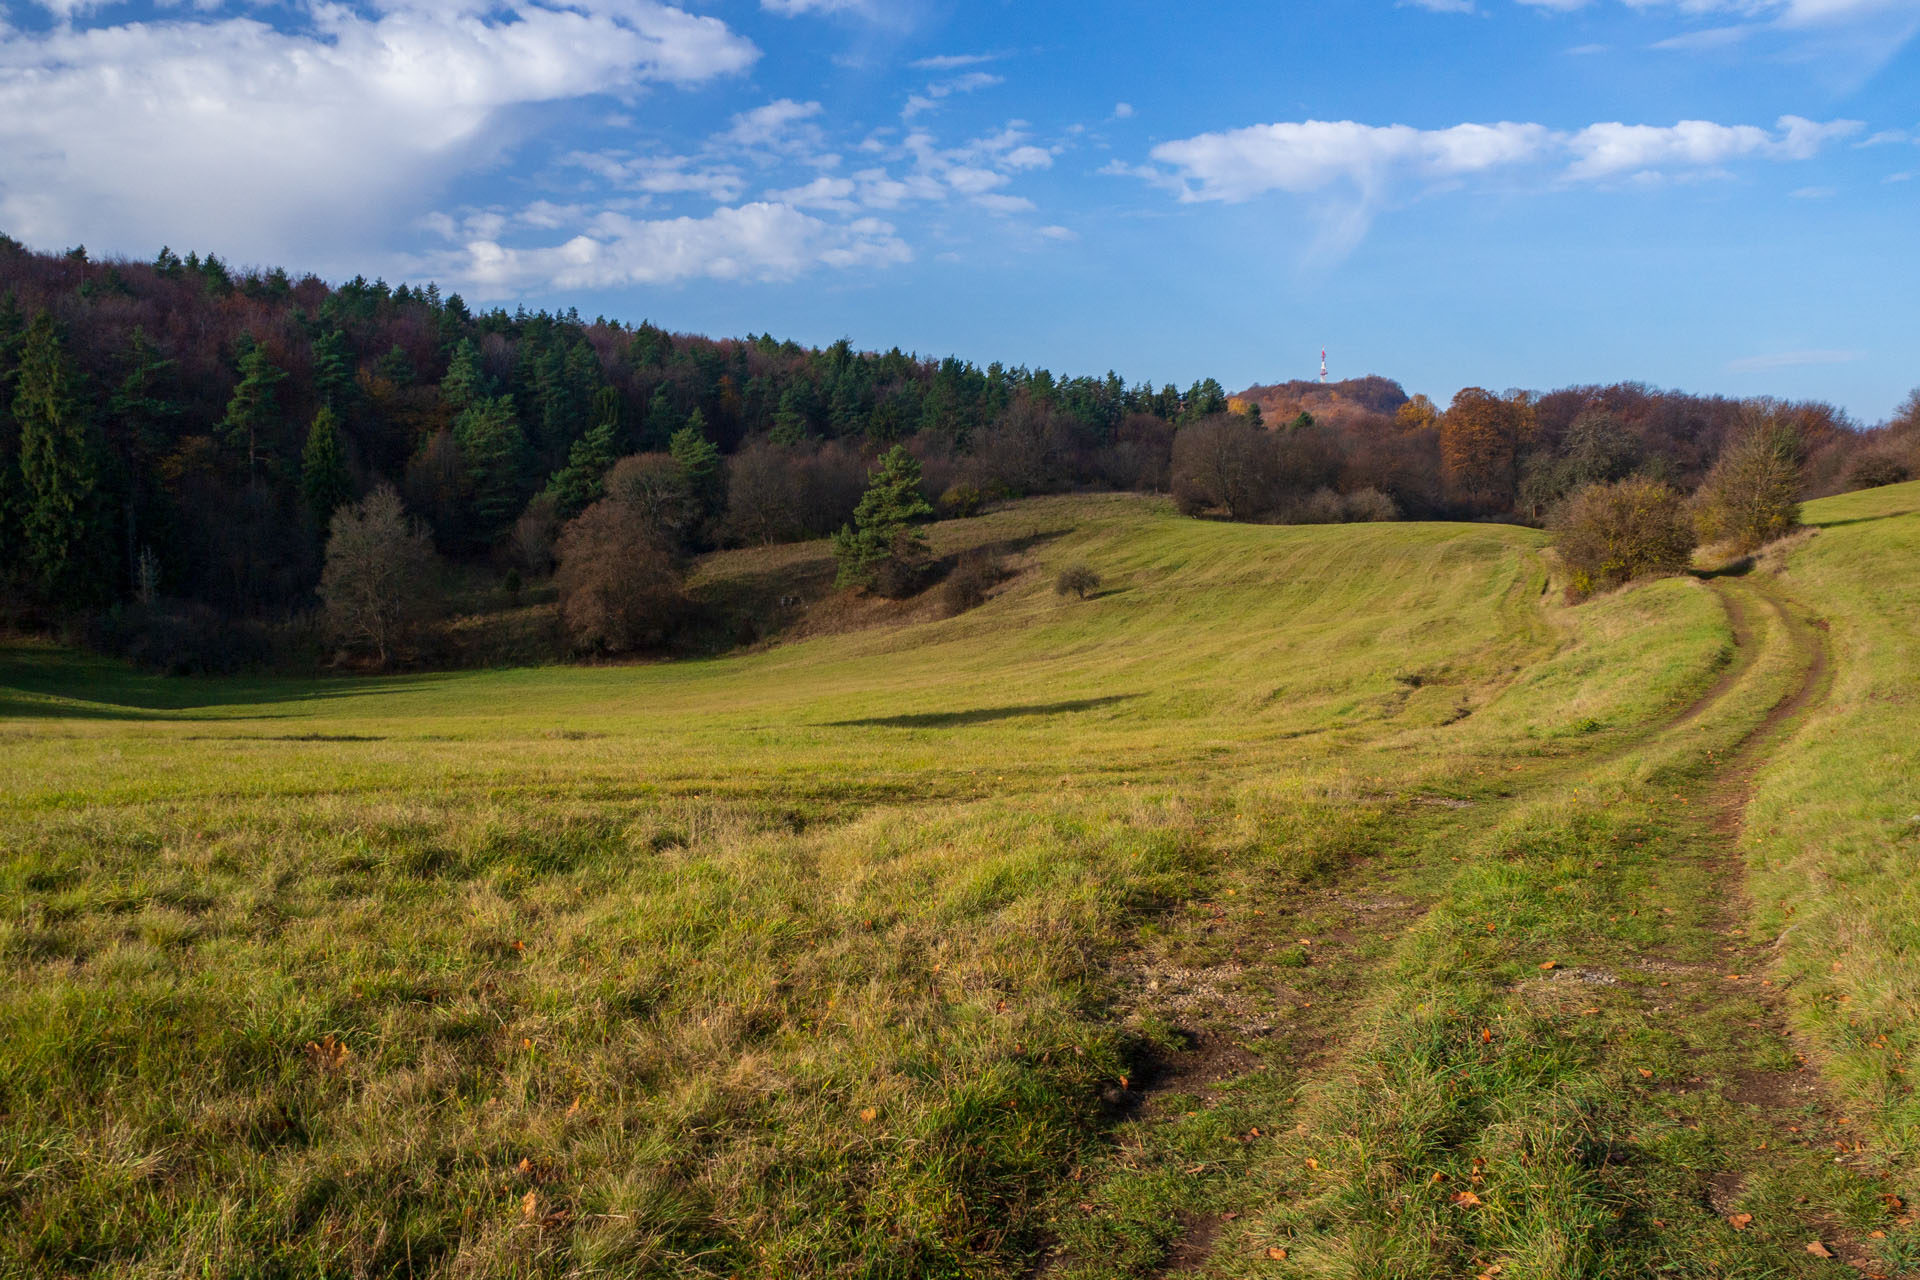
(1718, 195)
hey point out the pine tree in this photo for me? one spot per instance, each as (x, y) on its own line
(662, 421)
(333, 370)
(253, 414)
(493, 454)
(882, 524)
(61, 524)
(466, 383)
(580, 483)
(699, 460)
(324, 482)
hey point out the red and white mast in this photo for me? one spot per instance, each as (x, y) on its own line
(1323, 364)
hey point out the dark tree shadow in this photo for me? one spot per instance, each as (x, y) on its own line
(102, 689)
(981, 715)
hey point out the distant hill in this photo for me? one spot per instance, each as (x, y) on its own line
(1284, 401)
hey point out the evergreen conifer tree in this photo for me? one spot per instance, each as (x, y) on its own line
(493, 454)
(253, 414)
(61, 525)
(466, 383)
(580, 483)
(333, 370)
(882, 528)
(324, 482)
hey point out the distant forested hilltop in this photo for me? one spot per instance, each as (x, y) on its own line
(176, 429)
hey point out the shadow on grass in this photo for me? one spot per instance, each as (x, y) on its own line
(1732, 569)
(1835, 524)
(981, 715)
(101, 689)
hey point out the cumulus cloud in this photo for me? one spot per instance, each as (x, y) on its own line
(754, 242)
(1353, 170)
(314, 136)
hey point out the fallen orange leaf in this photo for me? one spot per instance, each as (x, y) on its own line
(1819, 1250)
(1549, 964)
(1740, 1221)
(1465, 1199)
(1275, 1252)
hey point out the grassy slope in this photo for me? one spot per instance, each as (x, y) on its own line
(1835, 828)
(788, 964)
(814, 961)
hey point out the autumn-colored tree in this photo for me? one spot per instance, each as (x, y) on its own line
(1480, 439)
(1224, 464)
(1751, 495)
(619, 589)
(379, 574)
(1610, 534)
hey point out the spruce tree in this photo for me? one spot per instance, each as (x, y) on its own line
(466, 383)
(61, 526)
(493, 454)
(662, 421)
(324, 482)
(882, 528)
(699, 461)
(333, 370)
(253, 419)
(579, 484)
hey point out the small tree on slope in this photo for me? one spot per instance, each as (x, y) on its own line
(881, 540)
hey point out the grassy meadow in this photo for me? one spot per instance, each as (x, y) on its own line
(1236, 919)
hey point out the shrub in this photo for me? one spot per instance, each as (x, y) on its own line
(962, 500)
(1748, 499)
(377, 586)
(967, 586)
(1872, 470)
(619, 589)
(1613, 533)
(1076, 580)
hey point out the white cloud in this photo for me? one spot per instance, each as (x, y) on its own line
(233, 132)
(1314, 155)
(770, 125)
(1603, 150)
(754, 242)
(1814, 193)
(1792, 360)
(935, 93)
(1062, 234)
(1123, 111)
(797, 8)
(954, 61)
(1353, 170)
(1441, 6)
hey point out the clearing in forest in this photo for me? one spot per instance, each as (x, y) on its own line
(1321, 901)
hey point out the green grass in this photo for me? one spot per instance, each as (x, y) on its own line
(1835, 827)
(817, 960)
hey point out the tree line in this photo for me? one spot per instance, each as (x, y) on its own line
(178, 434)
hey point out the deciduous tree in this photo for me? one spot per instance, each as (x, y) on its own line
(379, 576)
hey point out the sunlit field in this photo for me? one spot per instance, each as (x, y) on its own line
(872, 954)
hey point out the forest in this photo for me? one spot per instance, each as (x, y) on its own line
(178, 439)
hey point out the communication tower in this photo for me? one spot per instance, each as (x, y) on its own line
(1323, 364)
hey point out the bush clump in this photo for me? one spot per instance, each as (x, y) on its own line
(1076, 580)
(1611, 534)
(977, 573)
